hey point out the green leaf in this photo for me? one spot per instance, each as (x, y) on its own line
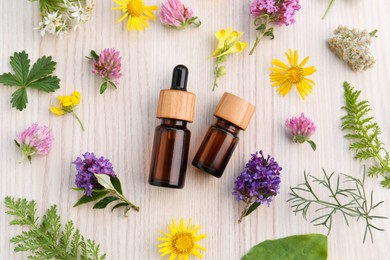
(312, 144)
(123, 204)
(21, 66)
(94, 55)
(117, 184)
(105, 181)
(104, 202)
(47, 84)
(308, 247)
(42, 68)
(10, 80)
(252, 208)
(95, 196)
(103, 87)
(19, 99)
(112, 84)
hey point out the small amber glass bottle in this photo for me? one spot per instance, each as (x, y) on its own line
(172, 138)
(233, 114)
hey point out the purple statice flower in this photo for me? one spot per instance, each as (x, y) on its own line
(108, 65)
(260, 180)
(35, 140)
(176, 15)
(89, 166)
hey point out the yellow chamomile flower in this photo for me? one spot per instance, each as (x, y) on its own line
(66, 104)
(137, 12)
(285, 76)
(181, 240)
(228, 43)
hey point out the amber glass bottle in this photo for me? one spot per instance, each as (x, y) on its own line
(172, 138)
(233, 114)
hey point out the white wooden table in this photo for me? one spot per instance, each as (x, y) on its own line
(120, 125)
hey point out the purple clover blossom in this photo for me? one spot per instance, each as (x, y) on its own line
(89, 166)
(301, 129)
(259, 182)
(108, 65)
(35, 140)
(176, 15)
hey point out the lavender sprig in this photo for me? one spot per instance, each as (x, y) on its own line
(258, 183)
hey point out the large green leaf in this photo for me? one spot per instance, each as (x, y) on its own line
(47, 84)
(42, 68)
(104, 202)
(19, 99)
(95, 196)
(21, 66)
(117, 184)
(300, 247)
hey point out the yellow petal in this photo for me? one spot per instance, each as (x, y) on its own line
(56, 111)
(279, 63)
(295, 58)
(303, 62)
(122, 18)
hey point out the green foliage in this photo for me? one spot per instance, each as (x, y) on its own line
(111, 191)
(350, 202)
(365, 132)
(39, 77)
(308, 247)
(46, 240)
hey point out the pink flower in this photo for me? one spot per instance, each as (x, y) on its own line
(35, 140)
(281, 12)
(258, 7)
(108, 65)
(287, 13)
(301, 129)
(174, 14)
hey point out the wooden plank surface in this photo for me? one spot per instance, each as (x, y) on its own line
(120, 125)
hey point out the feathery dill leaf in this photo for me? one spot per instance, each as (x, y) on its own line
(364, 133)
(46, 240)
(351, 201)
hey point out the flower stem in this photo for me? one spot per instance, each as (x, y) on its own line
(78, 119)
(243, 213)
(328, 9)
(258, 38)
(215, 85)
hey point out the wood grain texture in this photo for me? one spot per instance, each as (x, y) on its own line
(120, 125)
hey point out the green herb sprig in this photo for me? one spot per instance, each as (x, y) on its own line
(39, 77)
(351, 201)
(47, 240)
(111, 191)
(365, 132)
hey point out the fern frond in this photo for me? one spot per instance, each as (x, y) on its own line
(45, 240)
(364, 133)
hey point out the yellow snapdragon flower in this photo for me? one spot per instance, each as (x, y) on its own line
(228, 43)
(66, 104)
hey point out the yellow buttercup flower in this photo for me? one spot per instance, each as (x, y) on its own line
(66, 104)
(181, 240)
(137, 12)
(286, 76)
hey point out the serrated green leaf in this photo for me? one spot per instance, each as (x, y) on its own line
(10, 80)
(117, 184)
(104, 202)
(21, 66)
(47, 84)
(42, 68)
(96, 195)
(308, 247)
(19, 99)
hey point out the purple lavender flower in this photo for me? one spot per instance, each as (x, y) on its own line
(89, 166)
(301, 129)
(108, 66)
(258, 183)
(35, 140)
(176, 15)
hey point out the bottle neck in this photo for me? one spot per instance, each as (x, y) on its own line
(227, 126)
(173, 122)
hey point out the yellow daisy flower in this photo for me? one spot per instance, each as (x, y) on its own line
(180, 243)
(284, 76)
(137, 12)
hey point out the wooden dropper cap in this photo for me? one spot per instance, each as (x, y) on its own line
(176, 102)
(235, 110)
